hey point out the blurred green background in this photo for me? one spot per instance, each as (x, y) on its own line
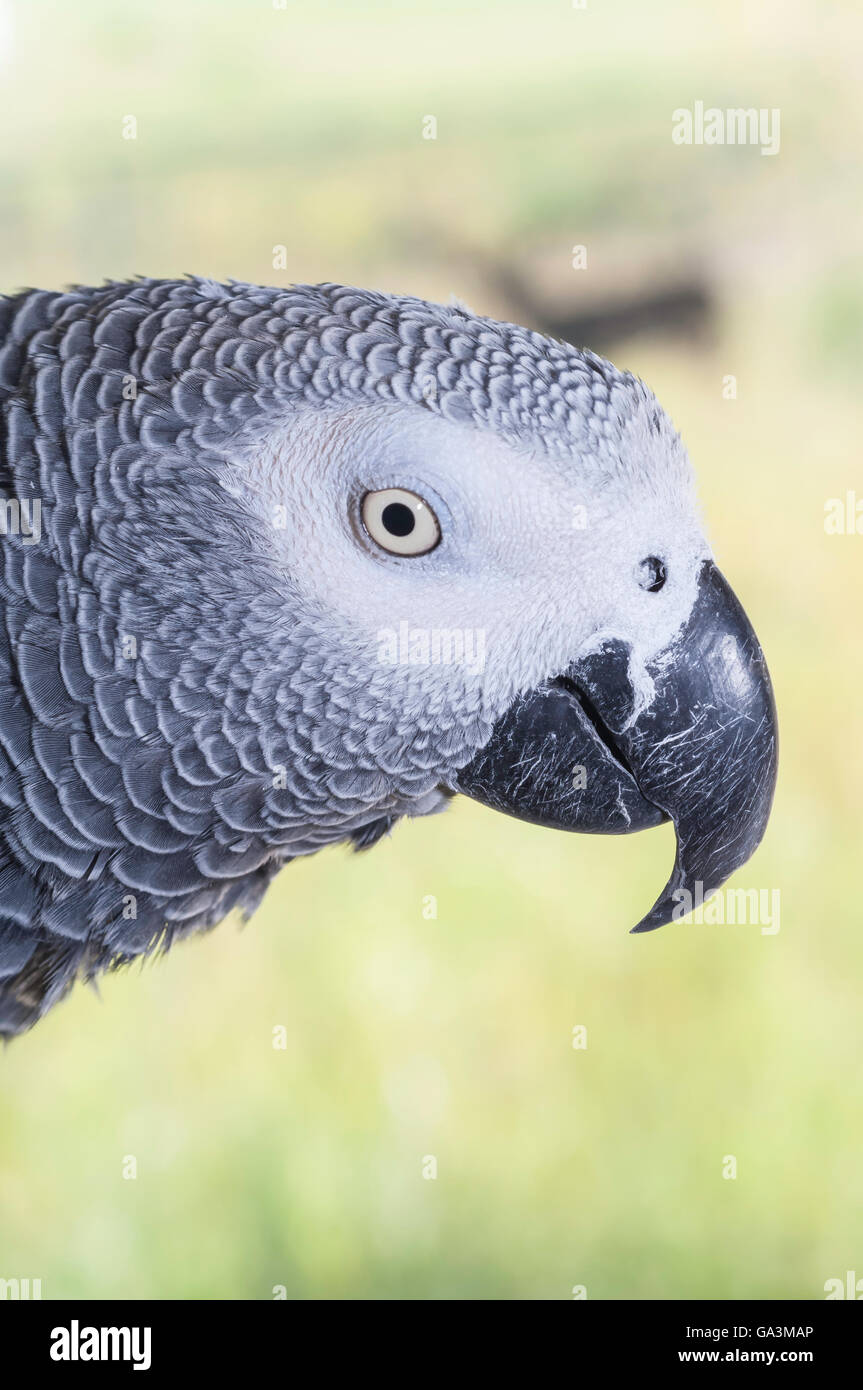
(407, 1037)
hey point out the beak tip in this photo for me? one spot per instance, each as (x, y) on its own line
(664, 909)
(646, 925)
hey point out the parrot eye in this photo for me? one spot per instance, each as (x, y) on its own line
(400, 522)
(652, 574)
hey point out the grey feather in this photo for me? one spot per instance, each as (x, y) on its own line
(138, 800)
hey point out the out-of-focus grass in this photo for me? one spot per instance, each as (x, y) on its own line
(303, 127)
(408, 1037)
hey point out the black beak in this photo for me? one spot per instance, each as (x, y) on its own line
(572, 756)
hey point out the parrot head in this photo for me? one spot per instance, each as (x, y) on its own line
(316, 559)
(524, 598)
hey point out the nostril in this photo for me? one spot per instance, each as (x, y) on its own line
(652, 574)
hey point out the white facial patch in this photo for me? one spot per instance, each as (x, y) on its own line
(539, 557)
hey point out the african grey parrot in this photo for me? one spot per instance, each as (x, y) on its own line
(235, 522)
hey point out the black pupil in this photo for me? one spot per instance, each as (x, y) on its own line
(398, 519)
(655, 574)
